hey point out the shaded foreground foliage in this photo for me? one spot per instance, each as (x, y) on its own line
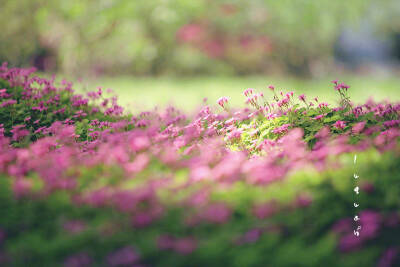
(82, 184)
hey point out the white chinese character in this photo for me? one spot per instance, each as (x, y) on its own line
(357, 189)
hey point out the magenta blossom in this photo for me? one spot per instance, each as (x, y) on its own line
(358, 127)
(185, 245)
(302, 98)
(222, 101)
(265, 210)
(388, 257)
(165, 242)
(216, 213)
(248, 92)
(78, 260)
(281, 129)
(8, 103)
(340, 125)
(123, 257)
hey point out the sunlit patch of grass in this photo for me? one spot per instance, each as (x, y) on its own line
(188, 93)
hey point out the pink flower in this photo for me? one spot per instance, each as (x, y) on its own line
(139, 143)
(367, 187)
(191, 33)
(22, 187)
(200, 173)
(235, 134)
(282, 129)
(41, 107)
(74, 226)
(8, 103)
(165, 242)
(283, 102)
(142, 123)
(140, 163)
(358, 127)
(302, 98)
(248, 92)
(123, 257)
(303, 200)
(388, 257)
(344, 86)
(323, 104)
(340, 125)
(340, 86)
(350, 242)
(370, 221)
(392, 123)
(214, 48)
(78, 260)
(318, 117)
(265, 210)
(222, 101)
(185, 245)
(199, 198)
(250, 237)
(80, 114)
(78, 100)
(216, 213)
(19, 132)
(142, 219)
(4, 94)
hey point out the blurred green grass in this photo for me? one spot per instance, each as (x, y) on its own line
(138, 94)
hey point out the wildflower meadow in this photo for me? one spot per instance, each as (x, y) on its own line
(289, 180)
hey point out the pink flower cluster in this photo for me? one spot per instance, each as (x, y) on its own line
(141, 171)
(340, 86)
(222, 101)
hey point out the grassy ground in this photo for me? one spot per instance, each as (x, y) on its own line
(140, 94)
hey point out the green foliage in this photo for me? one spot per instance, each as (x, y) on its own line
(261, 128)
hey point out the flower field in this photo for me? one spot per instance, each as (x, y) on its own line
(84, 183)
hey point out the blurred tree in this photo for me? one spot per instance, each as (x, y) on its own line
(19, 36)
(176, 36)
